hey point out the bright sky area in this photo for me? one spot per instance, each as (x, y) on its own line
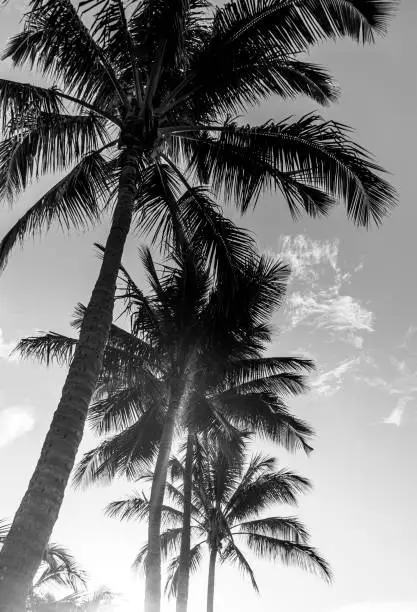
(351, 305)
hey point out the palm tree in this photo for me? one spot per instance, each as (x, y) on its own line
(151, 84)
(228, 501)
(58, 568)
(193, 359)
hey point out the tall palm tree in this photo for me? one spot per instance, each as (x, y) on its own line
(229, 499)
(152, 84)
(193, 359)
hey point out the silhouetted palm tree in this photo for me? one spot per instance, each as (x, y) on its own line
(229, 500)
(193, 359)
(152, 84)
(58, 568)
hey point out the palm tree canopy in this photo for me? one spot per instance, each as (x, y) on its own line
(229, 501)
(236, 389)
(144, 75)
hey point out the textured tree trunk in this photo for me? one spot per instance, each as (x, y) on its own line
(211, 577)
(38, 511)
(184, 564)
(153, 559)
(180, 397)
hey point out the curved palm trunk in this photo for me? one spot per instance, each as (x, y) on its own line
(211, 577)
(38, 511)
(184, 564)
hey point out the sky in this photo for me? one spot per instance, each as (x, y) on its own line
(351, 305)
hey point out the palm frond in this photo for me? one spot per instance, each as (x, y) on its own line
(47, 348)
(248, 77)
(136, 507)
(294, 25)
(19, 98)
(281, 384)
(285, 528)
(195, 558)
(4, 530)
(320, 153)
(126, 453)
(269, 417)
(60, 569)
(59, 45)
(289, 553)
(121, 408)
(42, 143)
(282, 486)
(235, 556)
(247, 370)
(73, 202)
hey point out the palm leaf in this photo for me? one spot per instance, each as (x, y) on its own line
(73, 202)
(56, 42)
(289, 553)
(233, 554)
(137, 507)
(195, 557)
(60, 569)
(47, 348)
(266, 415)
(282, 486)
(286, 528)
(320, 152)
(4, 530)
(19, 98)
(126, 453)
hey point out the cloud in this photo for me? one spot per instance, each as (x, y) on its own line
(331, 382)
(6, 347)
(409, 335)
(15, 421)
(396, 416)
(302, 254)
(318, 300)
(377, 382)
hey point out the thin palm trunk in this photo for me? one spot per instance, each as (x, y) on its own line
(38, 511)
(211, 578)
(153, 561)
(184, 564)
(180, 396)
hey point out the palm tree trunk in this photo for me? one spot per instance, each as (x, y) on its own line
(38, 511)
(211, 577)
(153, 559)
(180, 396)
(184, 564)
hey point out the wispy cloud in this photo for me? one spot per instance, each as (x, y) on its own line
(403, 384)
(409, 336)
(396, 416)
(331, 382)
(318, 300)
(6, 347)
(15, 421)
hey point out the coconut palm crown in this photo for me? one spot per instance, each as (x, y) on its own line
(229, 502)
